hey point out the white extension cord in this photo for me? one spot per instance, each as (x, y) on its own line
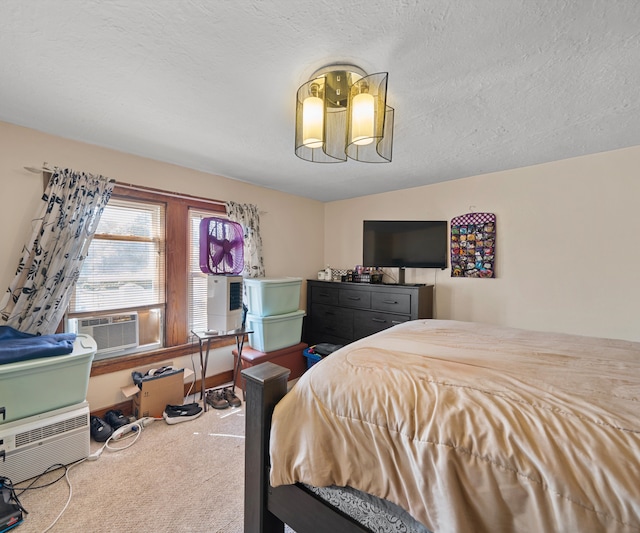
(134, 426)
(134, 429)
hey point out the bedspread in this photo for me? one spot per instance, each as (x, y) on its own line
(472, 427)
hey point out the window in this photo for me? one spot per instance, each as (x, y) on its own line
(140, 290)
(125, 265)
(197, 278)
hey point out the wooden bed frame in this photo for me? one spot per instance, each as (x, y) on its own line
(267, 509)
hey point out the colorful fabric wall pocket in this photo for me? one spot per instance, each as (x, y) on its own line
(473, 245)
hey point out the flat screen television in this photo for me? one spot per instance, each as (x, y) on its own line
(405, 243)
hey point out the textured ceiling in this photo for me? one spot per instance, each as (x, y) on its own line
(476, 86)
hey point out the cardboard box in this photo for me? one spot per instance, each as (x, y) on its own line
(157, 392)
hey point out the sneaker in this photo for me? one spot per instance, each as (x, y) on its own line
(217, 400)
(100, 430)
(173, 414)
(187, 409)
(115, 419)
(233, 400)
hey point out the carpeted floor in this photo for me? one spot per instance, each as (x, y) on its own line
(185, 477)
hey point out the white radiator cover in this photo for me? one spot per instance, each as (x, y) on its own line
(31, 445)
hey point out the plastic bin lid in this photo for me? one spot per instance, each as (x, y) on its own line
(273, 280)
(276, 318)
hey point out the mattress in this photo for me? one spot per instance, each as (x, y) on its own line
(376, 514)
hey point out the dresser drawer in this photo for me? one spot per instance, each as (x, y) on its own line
(355, 298)
(391, 302)
(316, 337)
(330, 320)
(342, 312)
(324, 295)
(369, 322)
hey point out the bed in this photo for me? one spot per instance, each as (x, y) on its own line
(465, 426)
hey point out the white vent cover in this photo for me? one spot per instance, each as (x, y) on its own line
(31, 445)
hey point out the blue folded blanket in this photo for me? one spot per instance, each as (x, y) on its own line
(18, 346)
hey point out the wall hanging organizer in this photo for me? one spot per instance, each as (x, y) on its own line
(473, 245)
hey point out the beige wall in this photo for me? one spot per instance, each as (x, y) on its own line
(20, 191)
(567, 251)
(566, 235)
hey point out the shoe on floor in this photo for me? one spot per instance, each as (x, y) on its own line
(115, 419)
(174, 414)
(217, 400)
(233, 400)
(100, 430)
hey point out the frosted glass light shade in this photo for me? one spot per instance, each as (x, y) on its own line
(370, 128)
(316, 130)
(341, 114)
(312, 122)
(362, 119)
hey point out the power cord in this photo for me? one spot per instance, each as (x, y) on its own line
(125, 432)
(66, 505)
(8, 494)
(128, 431)
(32, 486)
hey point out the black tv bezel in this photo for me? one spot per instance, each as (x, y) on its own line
(409, 264)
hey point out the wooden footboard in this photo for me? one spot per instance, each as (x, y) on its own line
(267, 509)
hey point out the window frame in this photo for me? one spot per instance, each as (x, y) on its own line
(176, 337)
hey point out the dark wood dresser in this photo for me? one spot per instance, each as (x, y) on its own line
(342, 312)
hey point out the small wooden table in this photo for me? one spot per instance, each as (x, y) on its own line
(205, 338)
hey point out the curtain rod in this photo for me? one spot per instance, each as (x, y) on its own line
(170, 194)
(46, 170)
(39, 170)
(130, 186)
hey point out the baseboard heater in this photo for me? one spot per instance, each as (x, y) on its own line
(31, 445)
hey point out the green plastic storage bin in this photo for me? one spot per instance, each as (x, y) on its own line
(272, 333)
(269, 297)
(36, 386)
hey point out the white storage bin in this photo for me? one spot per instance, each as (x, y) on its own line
(272, 333)
(268, 297)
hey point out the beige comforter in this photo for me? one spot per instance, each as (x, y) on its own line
(473, 428)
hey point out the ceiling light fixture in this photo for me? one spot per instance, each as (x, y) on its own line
(342, 112)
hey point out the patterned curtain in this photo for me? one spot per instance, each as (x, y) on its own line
(247, 215)
(37, 298)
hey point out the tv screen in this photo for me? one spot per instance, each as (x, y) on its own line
(405, 243)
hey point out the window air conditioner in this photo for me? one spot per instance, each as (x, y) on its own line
(112, 333)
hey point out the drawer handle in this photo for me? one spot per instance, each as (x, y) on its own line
(390, 302)
(325, 294)
(379, 320)
(329, 313)
(354, 298)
